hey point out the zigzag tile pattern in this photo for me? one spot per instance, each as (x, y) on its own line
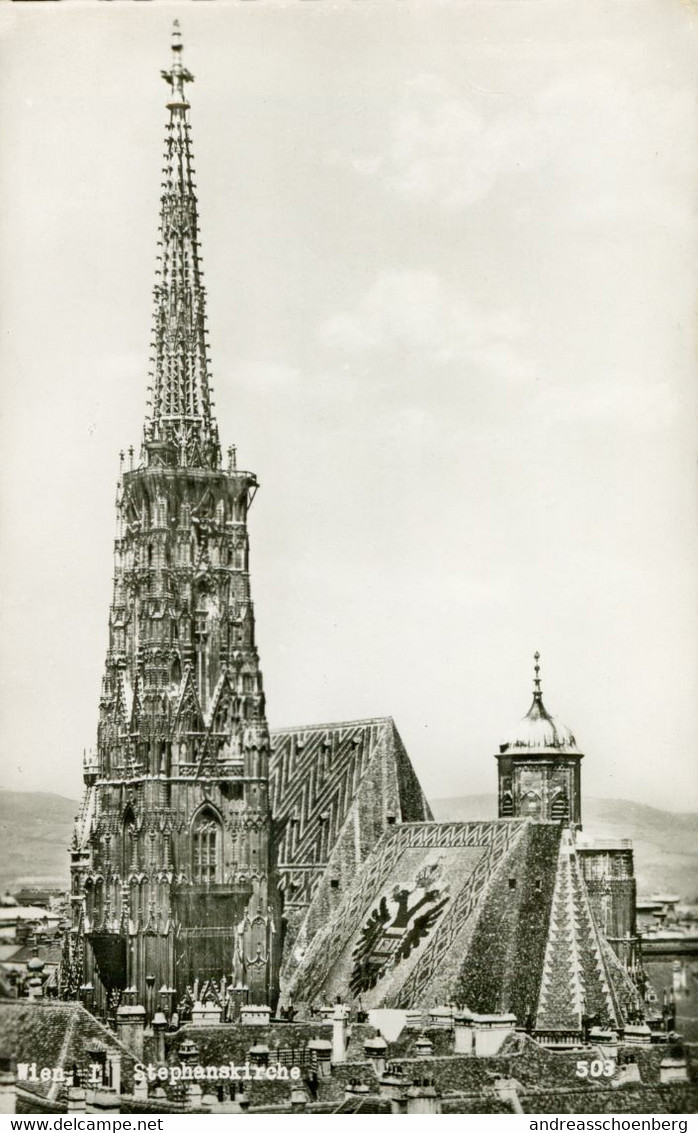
(500, 840)
(561, 1001)
(495, 837)
(575, 981)
(599, 991)
(316, 774)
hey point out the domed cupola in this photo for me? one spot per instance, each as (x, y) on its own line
(539, 731)
(539, 766)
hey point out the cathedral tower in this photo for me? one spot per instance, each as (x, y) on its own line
(172, 879)
(540, 766)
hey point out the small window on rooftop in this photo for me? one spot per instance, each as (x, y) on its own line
(512, 883)
(539, 885)
(334, 883)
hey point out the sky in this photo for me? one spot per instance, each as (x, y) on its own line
(450, 252)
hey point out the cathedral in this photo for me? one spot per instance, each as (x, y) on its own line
(219, 867)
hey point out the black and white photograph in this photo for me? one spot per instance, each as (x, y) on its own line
(348, 551)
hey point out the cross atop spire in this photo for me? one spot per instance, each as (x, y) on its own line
(180, 428)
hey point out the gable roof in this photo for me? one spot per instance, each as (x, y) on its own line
(334, 789)
(490, 915)
(57, 1035)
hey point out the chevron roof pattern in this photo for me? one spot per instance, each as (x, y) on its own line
(334, 790)
(468, 913)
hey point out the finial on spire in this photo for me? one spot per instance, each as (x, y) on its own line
(536, 680)
(178, 75)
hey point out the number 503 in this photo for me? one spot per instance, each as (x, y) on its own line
(599, 1068)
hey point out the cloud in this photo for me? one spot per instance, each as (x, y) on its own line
(414, 314)
(645, 407)
(597, 145)
(443, 148)
(451, 356)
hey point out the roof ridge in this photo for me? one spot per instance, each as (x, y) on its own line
(332, 724)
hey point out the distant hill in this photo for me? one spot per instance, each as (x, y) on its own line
(35, 832)
(665, 844)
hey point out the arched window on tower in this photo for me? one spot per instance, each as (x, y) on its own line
(129, 844)
(530, 805)
(560, 809)
(160, 512)
(206, 844)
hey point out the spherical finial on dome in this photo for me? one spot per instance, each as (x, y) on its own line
(536, 680)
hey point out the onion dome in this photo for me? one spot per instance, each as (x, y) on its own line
(539, 732)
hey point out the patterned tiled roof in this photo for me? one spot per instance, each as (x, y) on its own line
(575, 977)
(58, 1035)
(491, 915)
(334, 789)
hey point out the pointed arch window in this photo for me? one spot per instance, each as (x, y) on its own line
(206, 839)
(560, 810)
(530, 804)
(129, 843)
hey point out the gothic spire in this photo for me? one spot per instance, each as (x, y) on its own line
(180, 428)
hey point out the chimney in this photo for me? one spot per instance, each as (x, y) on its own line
(159, 1028)
(140, 1088)
(322, 1049)
(339, 1033)
(299, 1099)
(130, 1026)
(481, 1035)
(103, 1100)
(392, 1086)
(376, 1051)
(356, 1089)
(423, 1098)
(76, 1099)
(114, 1069)
(258, 1055)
